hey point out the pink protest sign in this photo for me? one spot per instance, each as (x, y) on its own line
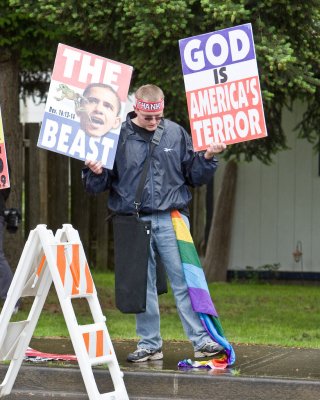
(222, 87)
(85, 106)
(4, 172)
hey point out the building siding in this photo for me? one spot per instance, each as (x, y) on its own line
(277, 206)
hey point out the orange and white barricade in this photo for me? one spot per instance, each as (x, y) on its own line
(61, 259)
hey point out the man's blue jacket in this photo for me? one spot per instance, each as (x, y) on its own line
(174, 166)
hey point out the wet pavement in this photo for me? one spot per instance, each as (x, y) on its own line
(251, 360)
(259, 373)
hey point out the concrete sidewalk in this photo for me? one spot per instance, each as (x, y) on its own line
(260, 373)
(251, 360)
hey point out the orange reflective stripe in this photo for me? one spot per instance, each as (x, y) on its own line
(86, 337)
(99, 345)
(88, 279)
(75, 269)
(96, 343)
(75, 278)
(41, 264)
(61, 262)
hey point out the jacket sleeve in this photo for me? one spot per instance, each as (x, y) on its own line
(197, 169)
(94, 183)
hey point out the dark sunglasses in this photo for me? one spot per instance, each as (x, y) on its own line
(151, 118)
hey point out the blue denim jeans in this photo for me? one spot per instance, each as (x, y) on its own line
(163, 240)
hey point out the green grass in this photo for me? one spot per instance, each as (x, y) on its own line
(251, 313)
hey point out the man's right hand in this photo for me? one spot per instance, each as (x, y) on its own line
(95, 166)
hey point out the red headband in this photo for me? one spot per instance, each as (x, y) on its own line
(150, 106)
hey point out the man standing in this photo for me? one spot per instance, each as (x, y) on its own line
(174, 166)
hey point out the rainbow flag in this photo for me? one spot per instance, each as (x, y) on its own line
(197, 285)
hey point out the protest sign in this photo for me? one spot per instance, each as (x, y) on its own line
(85, 106)
(4, 173)
(222, 87)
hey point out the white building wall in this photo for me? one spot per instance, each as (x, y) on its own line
(277, 206)
(30, 111)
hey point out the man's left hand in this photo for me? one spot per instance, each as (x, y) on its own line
(214, 148)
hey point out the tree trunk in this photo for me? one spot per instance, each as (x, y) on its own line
(103, 261)
(9, 102)
(218, 247)
(58, 190)
(35, 178)
(88, 216)
(80, 206)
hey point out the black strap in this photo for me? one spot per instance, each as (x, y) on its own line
(154, 142)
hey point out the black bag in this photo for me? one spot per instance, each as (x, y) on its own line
(131, 250)
(131, 254)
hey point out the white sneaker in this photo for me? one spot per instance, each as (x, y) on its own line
(209, 349)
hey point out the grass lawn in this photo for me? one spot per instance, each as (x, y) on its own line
(252, 313)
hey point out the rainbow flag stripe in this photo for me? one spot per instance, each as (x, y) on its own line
(197, 285)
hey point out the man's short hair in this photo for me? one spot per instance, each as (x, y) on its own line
(149, 93)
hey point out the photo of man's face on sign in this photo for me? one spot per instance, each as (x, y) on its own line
(99, 109)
